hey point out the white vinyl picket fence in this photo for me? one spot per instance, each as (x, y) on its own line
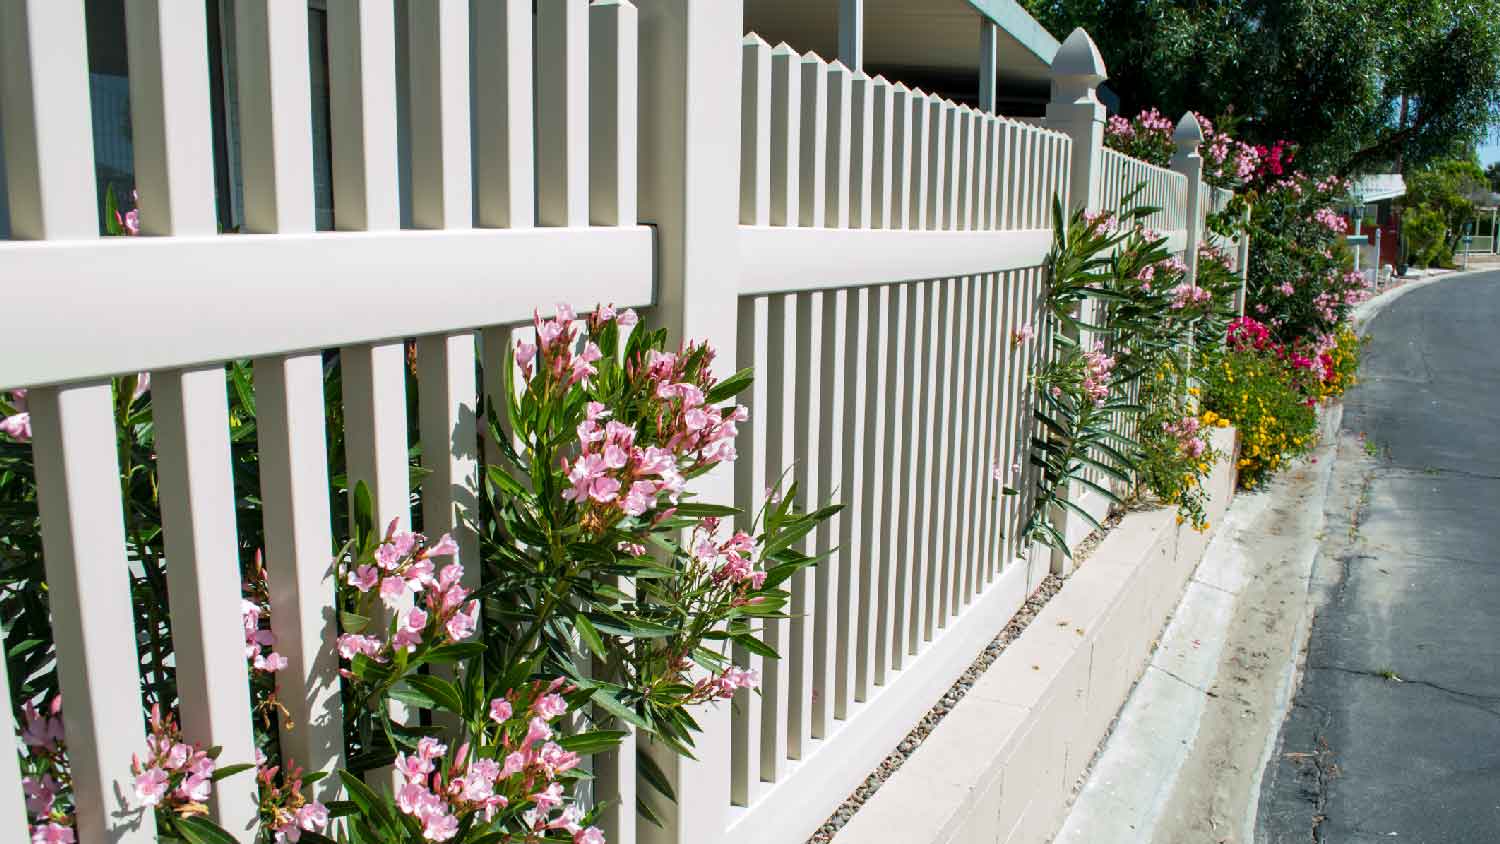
(869, 248)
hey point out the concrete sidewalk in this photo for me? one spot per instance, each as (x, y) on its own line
(1184, 760)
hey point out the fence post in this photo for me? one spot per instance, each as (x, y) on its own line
(689, 157)
(1187, 161)
(1075, 111)
(1242, 263)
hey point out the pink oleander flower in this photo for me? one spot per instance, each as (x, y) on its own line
(56, 833)
(1022, 335)
(43, 731)
(550, 706)
(1328, 218)
(17, 426)
(151, 786)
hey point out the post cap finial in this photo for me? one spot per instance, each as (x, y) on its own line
(1079, 57)
(1189, 132)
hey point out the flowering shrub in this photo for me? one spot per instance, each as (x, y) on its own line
(1115, 279)
(1227, 163)
(1339, 363)
(1176, 455)
(1300, 282)
(1259, 386)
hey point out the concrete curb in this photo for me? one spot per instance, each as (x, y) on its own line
(1369, 309)
(1134, 778)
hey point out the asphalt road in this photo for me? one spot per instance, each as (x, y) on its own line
(1394, 733)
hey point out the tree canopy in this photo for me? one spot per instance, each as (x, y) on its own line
(1360, 86)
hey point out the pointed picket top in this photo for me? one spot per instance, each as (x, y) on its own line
(1079, 58)
(837, 66)
(1189, 133)
(813, 58)
(751, 39)
(783, 49)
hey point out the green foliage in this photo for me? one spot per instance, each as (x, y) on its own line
(1445, 188)
(1358, 85)
(1425, 235)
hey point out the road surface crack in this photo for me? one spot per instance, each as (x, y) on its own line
(1392, 677)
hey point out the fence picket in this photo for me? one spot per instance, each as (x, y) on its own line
(504, 152)
(953, 167)
(899, 435)
(918, 546)
(918, 160)
(939, 568)
(969, 152)
(862, 152)
(875, 500)
(562, 115)
(786, 138)
(191, 416)
(438, 58)
(746, 721)
(981, 173)
(872, 429)
(613, 93)
(275, 132)
(174, 176)
(290, 428)
(937, 155)
(780, 433)
(837, 152)
(882, 129)
(901, 157)
(49, 158)
(362, 110)
(806, 603)
(851, 549)
(755, 132)
(83, 544)
(830, 488)
(813, 135)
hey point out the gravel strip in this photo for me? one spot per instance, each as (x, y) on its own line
(1018, 622)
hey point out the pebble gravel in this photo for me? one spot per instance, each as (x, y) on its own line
(1019, 622)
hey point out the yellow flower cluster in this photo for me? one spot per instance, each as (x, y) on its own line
(1255, 393)
(1345, 358)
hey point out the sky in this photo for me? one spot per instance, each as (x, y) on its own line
(1489, 152)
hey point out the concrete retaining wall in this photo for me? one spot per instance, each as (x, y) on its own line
(1000, 768)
